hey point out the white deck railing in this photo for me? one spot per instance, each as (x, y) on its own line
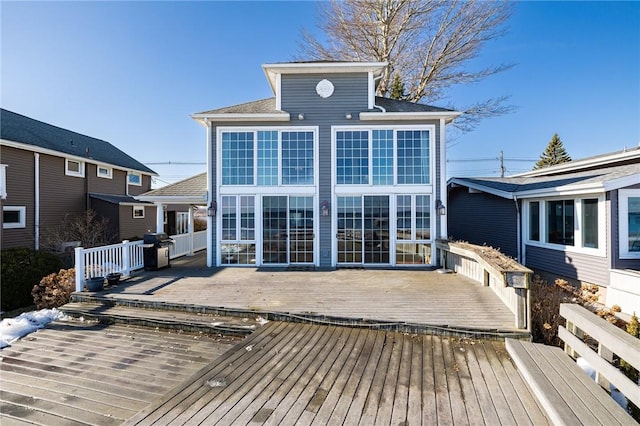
(128, 256)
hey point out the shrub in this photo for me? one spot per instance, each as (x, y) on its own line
(20, 270)
(55, 289)
(545, 310)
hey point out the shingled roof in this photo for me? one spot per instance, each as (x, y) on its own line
(268, 106)
(195, 186)
(18, 128)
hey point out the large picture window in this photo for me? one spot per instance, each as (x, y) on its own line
(268, 157)
(573, 222)
(383, 157)
(238, 230)
(629, 223)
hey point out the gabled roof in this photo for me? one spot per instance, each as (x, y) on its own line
(42, 136)
(189, 190)
(618, 158)
(117, 199)
(588, 181)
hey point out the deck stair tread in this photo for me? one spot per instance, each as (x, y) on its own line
(162, 318)
(567, 394)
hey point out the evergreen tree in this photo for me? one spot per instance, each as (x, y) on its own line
(397, 88)
(553, 154)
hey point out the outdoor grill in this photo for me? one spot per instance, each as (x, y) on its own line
(155, 248)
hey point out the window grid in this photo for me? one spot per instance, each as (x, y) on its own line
(297, 158)
(413, 156)
(423, 217)
(247, 218)
(237, 158)
(228, 218)
(352, 157)
(268, 158)
(382, 157)
(403, 217)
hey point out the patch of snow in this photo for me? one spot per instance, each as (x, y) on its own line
(261, 321)
(620, 399)
(11, 329)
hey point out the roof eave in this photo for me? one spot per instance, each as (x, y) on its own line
(204, 118)
(488, 190)
(581, 164)
(410, 116)
(173, 199)
(40, 150)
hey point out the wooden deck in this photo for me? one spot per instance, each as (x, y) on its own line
(445, 301)
(79, 373)
(288, 373)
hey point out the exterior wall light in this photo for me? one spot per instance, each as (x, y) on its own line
(301, 116)
(213, 208)
(347, 116)
(324, 207)
(440, 208)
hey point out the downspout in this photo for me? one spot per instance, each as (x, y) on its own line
(210, 220)
(518, 229)
(374, 94)
(36, 214)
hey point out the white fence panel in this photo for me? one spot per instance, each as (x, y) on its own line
(199, 240)
(101, 261)
(181, 245)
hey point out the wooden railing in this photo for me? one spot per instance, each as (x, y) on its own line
(511, 285)
(128, 256)
(611, 341)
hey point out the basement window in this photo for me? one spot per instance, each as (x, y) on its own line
(105, 172)
(14, 217)
(74, 168)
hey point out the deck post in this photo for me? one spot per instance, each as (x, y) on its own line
(126, 258)
(79, 265)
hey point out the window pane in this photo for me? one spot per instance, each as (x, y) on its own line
(268, 158)
(229, 218)
(534, 221)
(423, 217)
(297, 158)
(352, 157)
(413, 157)
(590, 223)
(73, 166)
(135, 179)
(247, 218)
(560, 222)
(11, 216)
(237, 158)
(382, 161)
(633, 218)
(403, 217)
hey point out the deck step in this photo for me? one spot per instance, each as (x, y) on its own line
(566, 393)
(161, 318)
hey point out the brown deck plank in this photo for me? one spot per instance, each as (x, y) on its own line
(487, 409)
(292, 387)
(335, 389)
(493, 384)
(348, 393)
(248, 361)
(414, 399)
(456, 396)
(26, 413)
(194, 387)
(270, 377)
(429, 406)
(388, 390)
(443, 405)
(474, 413)
(323, 388)
(401, 398)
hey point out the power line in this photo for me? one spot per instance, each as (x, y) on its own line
(176, 163)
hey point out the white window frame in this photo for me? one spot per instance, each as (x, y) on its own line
(79, 173)
(259, 189)
(22, 223)
(623, 226)
(138, 175)
(397, 188)
(601, 251)
(109, 172)
(138, 209)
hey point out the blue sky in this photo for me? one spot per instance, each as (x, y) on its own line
(131, 73)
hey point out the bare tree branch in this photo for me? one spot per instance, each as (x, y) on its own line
(427, 43)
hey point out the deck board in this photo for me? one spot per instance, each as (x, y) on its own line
(309, 374)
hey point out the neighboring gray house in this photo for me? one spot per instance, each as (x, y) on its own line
(325, 173)
(48, 172)
(578, 220)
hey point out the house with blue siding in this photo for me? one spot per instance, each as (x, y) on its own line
(578, 221)
(325, 173)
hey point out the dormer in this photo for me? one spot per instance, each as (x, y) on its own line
(349, 84)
